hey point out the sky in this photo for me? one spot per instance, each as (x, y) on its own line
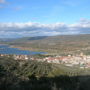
(25, 18)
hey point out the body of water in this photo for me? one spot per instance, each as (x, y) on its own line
(5, 49)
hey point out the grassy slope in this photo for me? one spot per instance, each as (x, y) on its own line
(66, 44)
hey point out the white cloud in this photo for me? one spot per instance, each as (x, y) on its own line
(2, 1)
(37, 29)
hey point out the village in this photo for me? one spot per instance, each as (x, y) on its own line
(83, 61)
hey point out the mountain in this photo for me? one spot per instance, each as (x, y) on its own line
(63, 44)
(7, 39)
(30, 38)
(54, 39)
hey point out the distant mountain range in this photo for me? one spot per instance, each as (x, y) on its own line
(48, 38)
(7, 39)
(53, 38)
(53, 44)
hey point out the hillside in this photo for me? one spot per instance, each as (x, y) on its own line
(64, 44)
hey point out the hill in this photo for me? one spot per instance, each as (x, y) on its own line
(64, 44)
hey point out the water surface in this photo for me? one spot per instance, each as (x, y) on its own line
(5, 49)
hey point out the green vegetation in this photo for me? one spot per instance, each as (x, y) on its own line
(37, 68)
(33, 75)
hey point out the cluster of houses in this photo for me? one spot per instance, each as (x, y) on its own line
(16, 57)
(81, 60)
(70, 60)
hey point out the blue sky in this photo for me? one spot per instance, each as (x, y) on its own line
(44, 11)
(21, 18)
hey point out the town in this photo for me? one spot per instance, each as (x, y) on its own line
(81, 60)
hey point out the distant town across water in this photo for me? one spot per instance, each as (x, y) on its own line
(6, 49)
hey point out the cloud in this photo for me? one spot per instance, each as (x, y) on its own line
(2, 1)
(3, 4)
(37, 29)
